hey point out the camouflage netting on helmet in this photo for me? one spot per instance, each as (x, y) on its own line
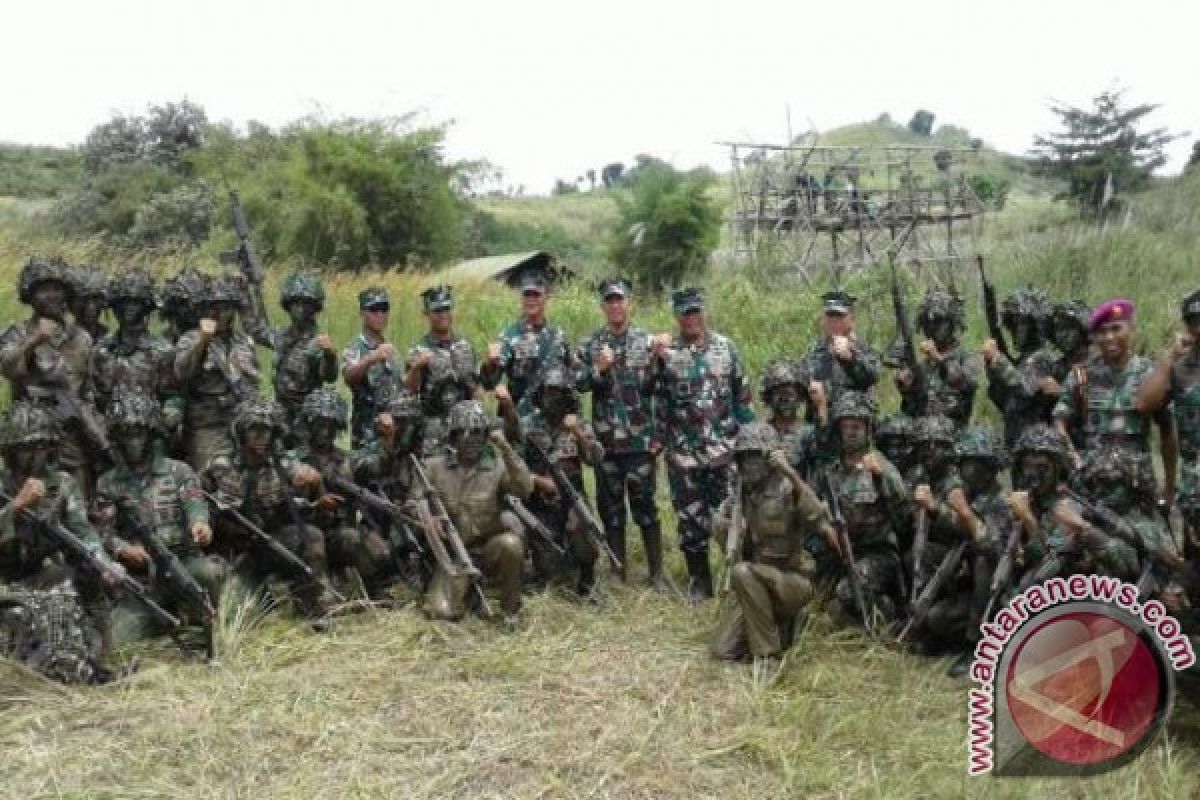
(45, 630)
(1110, 465)
(134, 409)
(938, 304)
(853, 405)
(223, 289)
(28, 424)
(87, 281)
(756, 437)
(980, 443)
(1072, 311)
(404, 405)
(1041, 439)
(895, 426)
(1029, 302)
(134, 285)
(934, 428)
(468, 416)
(257, 411)
(38, 270)
(184, 291)
(325, 404)
(302, 286)
(781, 372)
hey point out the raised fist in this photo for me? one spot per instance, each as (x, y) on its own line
(989, 350)
(208, 328)
(493, 352)
(323, 342)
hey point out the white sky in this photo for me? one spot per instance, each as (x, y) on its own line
(548, 89)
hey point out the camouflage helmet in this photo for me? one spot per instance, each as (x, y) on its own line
(1041, 438)
(895, 426)
(87, 281)
(257, 410)
(27, 423)
(1111, 464)
(39, 270)
(404, 405)
(934, 428)
(853, 405)
(466, 416)
(1072, 311)
(756, 437)
(134, 409)
(325, 404)
(134, 285)
(940, 304)
(302, 286)
(781, 372)
(555, 377)
(183, 290)
(1030, 302)
(221, 289)
(980, 443)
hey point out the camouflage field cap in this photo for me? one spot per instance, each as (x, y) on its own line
(980, 443)
(39, 270)
(613, 287)
(756, 437)
(1043, 439)
(853, 405)
(688, 299)
(325, 404)
(438, 298)
(935, 428)
(134, 409)
(372, 297)
(28, 424)
(132, 285)
(1191, 305)
(838, 302)
(302, 286)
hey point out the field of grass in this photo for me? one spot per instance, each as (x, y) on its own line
(622, 702)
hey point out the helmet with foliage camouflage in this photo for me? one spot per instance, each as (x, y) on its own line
(404, 405)
(555, 377)
(134, 409)
(183, 291)
(935, 428)
(853, 405)
(302, 286)
(87, 281)
(980, 443)
(28, 424)
(895, 426)
(39, 270)
(1073, 312)
(467, 416)
(939, 305)
(133, 285)
(781, 372)
(1029, 302)
(1109, 466)
(222, 289)
(257, 410)
(1043, 439)
(756, 437)
(325, 404)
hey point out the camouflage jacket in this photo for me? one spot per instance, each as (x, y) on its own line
(215, 378)
(300, 366)
(874, 507)
(860, 373)
(335, 462)
(167, 498)
(23, 547)
(474, 496)
(1014, 389)
(451, 376)
(1184, 395)
(372, 394)
(994, 511)
(778, 521)
(560, 446)
(261, 492)
(623, 397)
(702, 397)
(1104, 407)
(950, 385)
(525, 353)
(146, 364)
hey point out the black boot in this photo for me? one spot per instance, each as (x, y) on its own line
(700, 586)
(652, 544)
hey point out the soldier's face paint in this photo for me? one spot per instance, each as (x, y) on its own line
(223, 314)
(1037, 473)
(1113, 339)
(131, 314)
(406, 434)
(1068, 336)
(853, 433)
(49, 299)
(942, 331)
(784, 401)
(470, 446)
(557, 403)
(302, 312)
(322, 433)
(87, 310)
(256, 443)
(1193, 328)
(977, 474)
(1113, 492)
(135, 445)
(30, 459)
(933, 456)
(753, 468)
(1025, 331)
(895, 449)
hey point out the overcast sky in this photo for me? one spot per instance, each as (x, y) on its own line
(548, 89)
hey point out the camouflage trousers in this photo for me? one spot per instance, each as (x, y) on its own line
(579, 562)
(631, 474)
(131, 622)
(499, 556)
(359, 548)
(696, 492)
(760, 620)
(46, 630)
(206, 443)
(878, 571)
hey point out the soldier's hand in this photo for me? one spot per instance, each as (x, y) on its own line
(306, 476)
(604, 359)
(422, 357)
(842, 348)
(31, 493)
(989, 350)
(655, 449)
(546, 486)
(816, 392)
(133, 556)
(493, 352)
(385, 425)
(929, 349)
(329, 502)
(571, 423)
(45, 329)
(323, 342)
(385, 352)
(503, 396)
(904, 377)
(112, 576)
(923, 496)
(201, 533)
(208, 328)
(872, 464)
(660, 343)
(1020, 504)
(1049, 386)
(831, 539)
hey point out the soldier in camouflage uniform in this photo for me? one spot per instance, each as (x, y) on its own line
(840, 361)
(323, 416)
(1069, 335)
(304, 359)
(894, 438)
(617, 367)
(440, 369)
(472, 482)
(1022, 390)
(1098, 397)
(46, 362)
(526, 348)
(771, 584)
(702, 396)
(369, 365)
(875, 503)
(950, 379)
(782, 389)
(89, 297)
(554, 432)
(1175, 380)
(180, 310)
(163, 496)
(259, 481)
(133, 358)
(46, 630)
(216, 368)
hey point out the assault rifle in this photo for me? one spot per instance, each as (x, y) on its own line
(576, 501)
(843, 535)
(530, 521)
(991, 312)
(1002, 575)
(260, 537)
(734, 537)
(920, 541)
(941, 576)
(904, 327)
(374, 501)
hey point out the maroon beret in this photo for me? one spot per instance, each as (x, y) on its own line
(1116, 310)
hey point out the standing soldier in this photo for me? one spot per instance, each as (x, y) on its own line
(133, 358)
(216, 367)
(369, 364)
(160, 495)
(840, 361)
(472, 483)
(778, 510)
(441, 368)
(528, 346)
(88, 299)
(46, 361)
(782, 391)
(702, 396)
(950, 380)
(616, 366)
(1176, 380)
(1098, 397)
(1022, 390)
